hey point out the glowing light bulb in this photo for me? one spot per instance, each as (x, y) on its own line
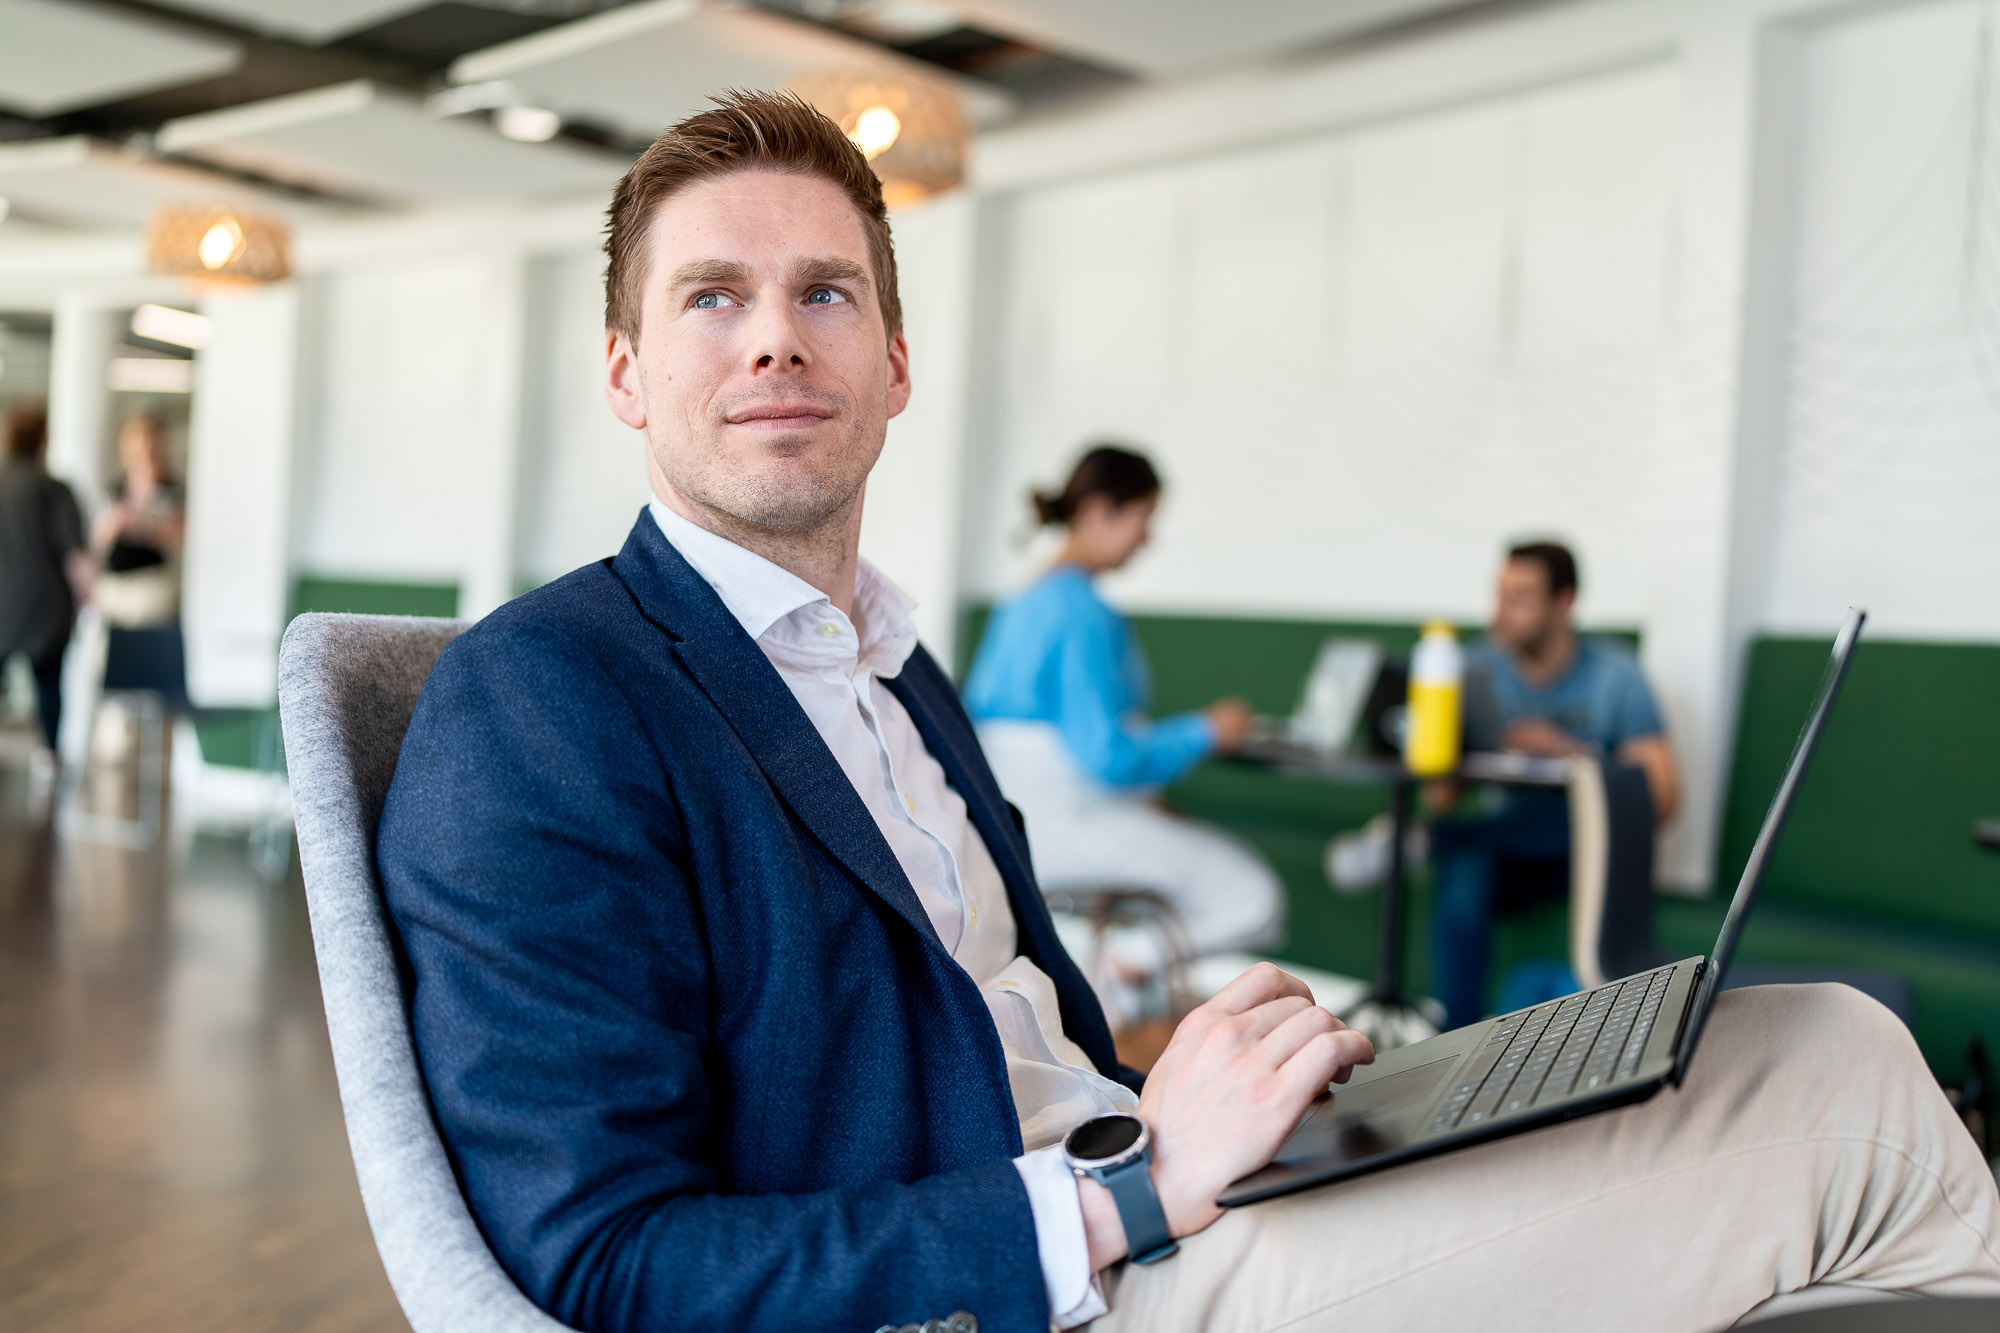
(528, 124)
(220, 244)
(875, 129)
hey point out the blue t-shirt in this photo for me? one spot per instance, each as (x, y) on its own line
(1602, 699)
(1058, 653)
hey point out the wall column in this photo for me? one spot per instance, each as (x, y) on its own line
(86, 330)
(236, 571)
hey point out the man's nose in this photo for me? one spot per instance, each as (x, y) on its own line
(777, 340)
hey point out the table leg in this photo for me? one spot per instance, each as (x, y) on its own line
(1389, 929)
(1386, 1014)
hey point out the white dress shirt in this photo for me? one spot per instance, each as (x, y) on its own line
(835, 667)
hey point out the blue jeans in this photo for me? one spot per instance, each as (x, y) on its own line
(1468, 854)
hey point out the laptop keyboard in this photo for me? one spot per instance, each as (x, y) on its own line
(1574, 1045)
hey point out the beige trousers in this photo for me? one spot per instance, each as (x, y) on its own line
(1810, 1145)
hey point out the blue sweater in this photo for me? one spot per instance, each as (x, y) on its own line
(1058, 653)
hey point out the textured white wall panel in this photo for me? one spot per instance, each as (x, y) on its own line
(1889, 479)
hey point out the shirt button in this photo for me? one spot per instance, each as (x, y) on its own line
(828, 629)
(909, 804)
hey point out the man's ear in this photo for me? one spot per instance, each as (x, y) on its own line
(899, 375)
(621, 380)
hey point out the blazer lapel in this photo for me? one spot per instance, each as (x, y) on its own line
(747, 690)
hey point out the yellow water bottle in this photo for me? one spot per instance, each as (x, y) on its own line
(1437, 687)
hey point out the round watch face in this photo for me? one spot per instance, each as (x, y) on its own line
(1104, 1137)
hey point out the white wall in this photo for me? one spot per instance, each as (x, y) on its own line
(411, 449)
(25, 372)
(910, 527)
(1363, 360)
(1889, 476)
(583, 472)
(237, 561)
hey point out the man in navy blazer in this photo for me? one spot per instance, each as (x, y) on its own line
(694, 1011)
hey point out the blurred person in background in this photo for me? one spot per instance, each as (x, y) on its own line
(137, 539)
(43, 569)
(1552, 692)
(1059, 691)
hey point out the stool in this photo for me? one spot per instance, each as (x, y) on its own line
(1113, 906)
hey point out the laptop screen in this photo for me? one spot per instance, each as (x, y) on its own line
(1767, 837)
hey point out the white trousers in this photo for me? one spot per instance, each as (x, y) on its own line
(1083, 836)
(1810, 1146)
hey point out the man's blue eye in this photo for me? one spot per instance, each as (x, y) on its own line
(708, 301)
(822, 296)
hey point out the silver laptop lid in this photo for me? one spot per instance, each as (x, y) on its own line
(1767, 837)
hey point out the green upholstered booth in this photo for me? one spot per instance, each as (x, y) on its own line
(1878, 869)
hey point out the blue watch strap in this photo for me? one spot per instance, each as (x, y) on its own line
(1147, 1239)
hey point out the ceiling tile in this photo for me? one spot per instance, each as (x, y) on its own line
(643, 66)
(58, 56)
(361, 140)
(1167, 37)
(78, 182)
(303, 20)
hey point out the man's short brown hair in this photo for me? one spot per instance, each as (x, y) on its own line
(745, 131)
(27, 432)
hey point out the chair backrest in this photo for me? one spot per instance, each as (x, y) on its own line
(346, 688)
(1611, 872)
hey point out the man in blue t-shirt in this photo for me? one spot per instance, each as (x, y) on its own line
(1550, 691)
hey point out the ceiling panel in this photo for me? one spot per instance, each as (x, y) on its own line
(78, 182)
(58, 55)
(1166, 37)
(644, 66)
(302, 20)
(368, 142)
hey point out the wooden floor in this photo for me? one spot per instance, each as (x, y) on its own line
(171, 1148)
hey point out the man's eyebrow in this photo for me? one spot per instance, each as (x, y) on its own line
(698, 271)
(808, 271)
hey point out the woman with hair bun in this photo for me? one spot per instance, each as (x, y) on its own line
(1059, 690)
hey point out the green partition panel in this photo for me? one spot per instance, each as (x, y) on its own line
(1910, 759)
(1197, 659)
(374, 597)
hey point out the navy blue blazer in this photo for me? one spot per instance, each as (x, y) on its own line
(698, 1055)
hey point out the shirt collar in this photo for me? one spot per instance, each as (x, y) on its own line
(763, 596)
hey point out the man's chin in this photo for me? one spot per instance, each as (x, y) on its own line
(782, 496)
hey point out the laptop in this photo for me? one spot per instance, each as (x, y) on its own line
(1611, 1046)
(1353, 702)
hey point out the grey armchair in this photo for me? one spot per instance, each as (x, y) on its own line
(346, 688)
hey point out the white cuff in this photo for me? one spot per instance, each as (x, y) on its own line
(1074, 1294)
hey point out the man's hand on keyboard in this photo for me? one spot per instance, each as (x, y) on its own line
(1232, 1083)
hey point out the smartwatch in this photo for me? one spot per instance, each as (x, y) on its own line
(1116, 1152)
